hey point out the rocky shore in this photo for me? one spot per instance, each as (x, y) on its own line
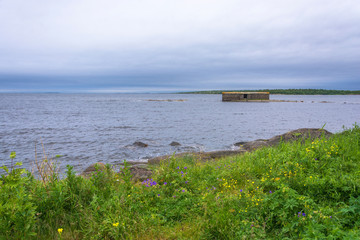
(141, 170)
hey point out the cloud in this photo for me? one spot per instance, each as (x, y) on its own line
(183, 44)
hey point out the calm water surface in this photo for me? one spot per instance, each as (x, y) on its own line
(88, 128)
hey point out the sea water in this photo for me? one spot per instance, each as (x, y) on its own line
(89, 128)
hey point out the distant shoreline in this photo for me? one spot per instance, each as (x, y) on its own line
(271, 91)
(284, 92)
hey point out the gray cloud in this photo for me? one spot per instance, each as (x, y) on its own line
(115, 45)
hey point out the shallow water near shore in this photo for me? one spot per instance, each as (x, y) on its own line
(88, 128)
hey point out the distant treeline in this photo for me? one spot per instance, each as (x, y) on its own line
(286, 91)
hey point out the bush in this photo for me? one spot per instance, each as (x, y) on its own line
(305, 189)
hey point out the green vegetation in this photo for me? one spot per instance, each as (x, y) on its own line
(301, 190)
(286, 91)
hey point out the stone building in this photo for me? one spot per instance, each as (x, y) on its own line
(245, 96)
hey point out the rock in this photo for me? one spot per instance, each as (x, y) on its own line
(175, 144)
(92, 168)
(140, 173)
(203, 156)
(249, 146)
(157, 160)
(238, 144)
(302, 133)
(133, 163)
(140, 144)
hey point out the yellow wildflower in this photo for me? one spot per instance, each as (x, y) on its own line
(116, 224)
(60, 230)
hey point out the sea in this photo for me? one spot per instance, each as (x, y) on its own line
(81, 129)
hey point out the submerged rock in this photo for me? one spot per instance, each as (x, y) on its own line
(140, 144)
(175, 144)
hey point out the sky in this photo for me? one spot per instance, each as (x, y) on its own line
(178, 45)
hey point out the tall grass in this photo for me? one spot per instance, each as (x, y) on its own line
(300, 190)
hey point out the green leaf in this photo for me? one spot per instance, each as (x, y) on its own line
(291, 203)
(12, 155)
(5, 168)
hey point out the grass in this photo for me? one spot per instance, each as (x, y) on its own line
(300, 190)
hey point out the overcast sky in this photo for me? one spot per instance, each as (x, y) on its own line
(178, 45)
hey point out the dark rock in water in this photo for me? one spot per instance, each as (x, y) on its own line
(93, 168)
(175, 144)
(140, 173)
(140, 144)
